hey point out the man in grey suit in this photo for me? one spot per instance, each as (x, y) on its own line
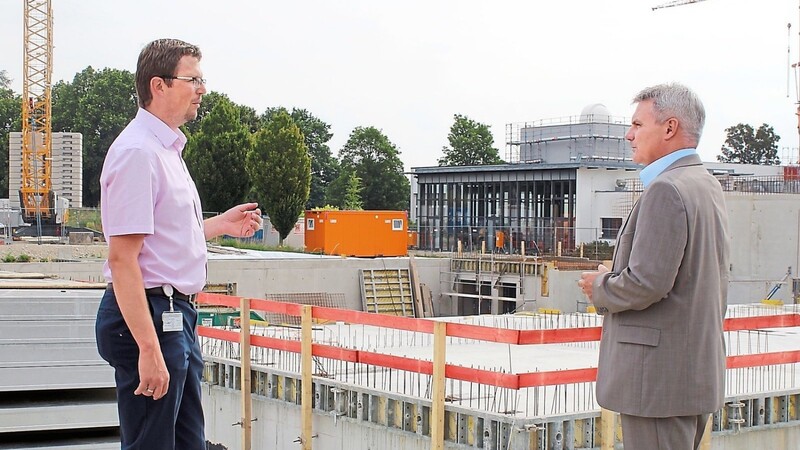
(662, 353)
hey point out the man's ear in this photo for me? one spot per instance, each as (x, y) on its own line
(157, 86)
(670, 128)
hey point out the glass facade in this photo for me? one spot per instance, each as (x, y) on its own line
(496, 209)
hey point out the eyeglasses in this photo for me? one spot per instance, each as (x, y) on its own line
(196, 81)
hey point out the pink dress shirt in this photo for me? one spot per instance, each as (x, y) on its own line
(145, 188)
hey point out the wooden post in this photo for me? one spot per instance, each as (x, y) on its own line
(437, 397)
(483, 247)
(247, 399)
(705, 443)
(607, 426)
(419, 309)
(460, 247)
(581, 250)
(522, 248)
(305, 376)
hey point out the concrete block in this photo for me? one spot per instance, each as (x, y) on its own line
(80, 237)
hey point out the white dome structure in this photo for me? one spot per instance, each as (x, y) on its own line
(596, 112)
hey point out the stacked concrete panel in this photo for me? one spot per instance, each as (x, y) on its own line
(54, 387)
(66, 167)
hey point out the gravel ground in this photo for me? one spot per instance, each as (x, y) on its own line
(53, 251)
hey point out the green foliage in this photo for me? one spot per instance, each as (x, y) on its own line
(280, 171)
(10, 120)
(215, 155)
(325, 208)
(246, 115)
(352, 194)
(595, 250)
(85, 217)
(337, 189)
(746, 146)
(249, 245)
(9, 258)
(24, 258)
(316, 134)
(5, 80)
(376, 161)
(471, 144)
(98, 104)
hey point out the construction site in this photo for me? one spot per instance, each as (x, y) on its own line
(368, 348)
(467, 332)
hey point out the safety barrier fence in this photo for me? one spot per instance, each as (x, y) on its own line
(438, 369)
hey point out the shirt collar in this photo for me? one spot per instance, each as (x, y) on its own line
(655, 168)
(168, 137)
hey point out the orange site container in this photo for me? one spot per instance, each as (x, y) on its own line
(357, 233)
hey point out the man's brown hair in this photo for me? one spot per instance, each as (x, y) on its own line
(160, 59)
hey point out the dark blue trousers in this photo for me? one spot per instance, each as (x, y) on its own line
(174, 422)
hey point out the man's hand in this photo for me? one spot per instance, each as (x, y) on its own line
(153, 375)
(587, 280)
(240, 221)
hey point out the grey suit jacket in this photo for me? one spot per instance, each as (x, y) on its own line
(662, 352)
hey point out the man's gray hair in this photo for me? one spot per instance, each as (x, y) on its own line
(678, 101)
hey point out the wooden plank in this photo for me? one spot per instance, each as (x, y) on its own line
(427, 302)
(364, 301)
(607, 426)
(247, 399)
(438, 380)
(419, 310)
(306, 376)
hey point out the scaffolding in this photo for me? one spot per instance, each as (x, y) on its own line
(574, 138)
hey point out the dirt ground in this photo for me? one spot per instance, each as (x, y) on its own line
(53, 251)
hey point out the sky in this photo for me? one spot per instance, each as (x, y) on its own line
(407, 67)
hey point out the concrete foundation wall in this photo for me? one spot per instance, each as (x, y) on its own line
(257, 278)
(777, 437)
(91, 271)
(564, 295)
(278, 427)
(765, 235)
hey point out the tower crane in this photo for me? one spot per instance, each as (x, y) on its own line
(796, 67)
(36, 194)
(675, 3)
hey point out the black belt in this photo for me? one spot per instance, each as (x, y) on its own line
(177, 295)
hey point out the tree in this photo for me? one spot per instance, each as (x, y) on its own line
(245, 115)
(97, 104)
(345, 192)
(376, 161)
(352, 193)
(471, 144)
(744, 146)
(317, 134)
(10, 120)
(280, 171)
(215, 154)
(5, 80)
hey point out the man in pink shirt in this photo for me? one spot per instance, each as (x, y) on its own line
(153, 223)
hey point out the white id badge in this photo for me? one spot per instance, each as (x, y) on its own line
(173, 320)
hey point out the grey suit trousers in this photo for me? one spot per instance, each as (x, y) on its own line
(663, 433)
